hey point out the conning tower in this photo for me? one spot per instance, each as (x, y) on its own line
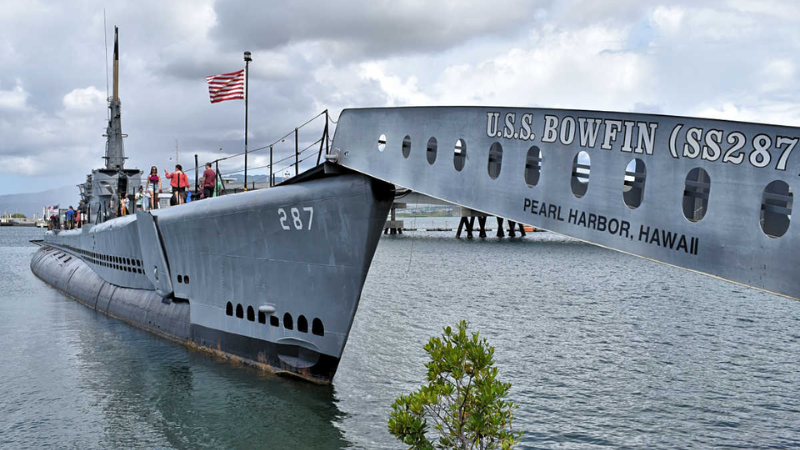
(113, 180)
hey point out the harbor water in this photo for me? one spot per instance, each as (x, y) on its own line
(603, 350)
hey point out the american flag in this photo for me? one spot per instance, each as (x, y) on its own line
(228, 86)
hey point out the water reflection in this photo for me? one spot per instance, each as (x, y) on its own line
(153, 393)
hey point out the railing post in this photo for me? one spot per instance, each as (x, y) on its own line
(324, 141)
(296, 154)
(327, 134)
(271, 184)
(247, 59)
(219, 178)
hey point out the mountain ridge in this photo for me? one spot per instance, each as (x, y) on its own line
(30, 203)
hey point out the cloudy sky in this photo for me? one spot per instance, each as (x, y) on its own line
(734, 59)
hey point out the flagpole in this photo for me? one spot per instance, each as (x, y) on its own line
(247, 60)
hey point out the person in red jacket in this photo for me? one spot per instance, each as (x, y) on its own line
(179, 183)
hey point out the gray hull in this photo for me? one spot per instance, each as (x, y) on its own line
(271, 278)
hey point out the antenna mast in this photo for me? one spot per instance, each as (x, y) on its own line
(116, 65)
(115, 152)
(105, 40)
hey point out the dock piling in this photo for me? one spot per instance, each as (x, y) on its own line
(482, 225)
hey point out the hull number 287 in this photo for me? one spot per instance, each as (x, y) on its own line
(295, 218)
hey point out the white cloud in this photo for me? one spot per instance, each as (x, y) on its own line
(398, 91)
(727, 111)
(753, 110)
(583, 68)
(21, 165)
(668, 19)
(714, 24)
(14, 98)
(779, 74)
(84, 99)
(783, 10)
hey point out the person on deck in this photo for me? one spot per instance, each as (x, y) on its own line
(146, 201)
(179, 183)
(70, 216)
(113, 207)
(209, 178)
(140, 199)
(123, 206)
(82, 213)
(153, 187)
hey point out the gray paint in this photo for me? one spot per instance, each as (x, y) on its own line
(154, 263)
(144, 309)
(234, 249)
(732, 244)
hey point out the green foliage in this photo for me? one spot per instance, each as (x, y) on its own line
(18, 216)
(463, 400)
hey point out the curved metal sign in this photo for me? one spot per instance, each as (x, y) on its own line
(712, 196)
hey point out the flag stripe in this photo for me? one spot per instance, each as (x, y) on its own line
(226, 86)
(231, 97)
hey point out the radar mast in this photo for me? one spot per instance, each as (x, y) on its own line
(115, 149)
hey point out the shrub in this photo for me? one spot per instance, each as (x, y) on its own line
(463, 398)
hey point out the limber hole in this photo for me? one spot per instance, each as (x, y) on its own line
(302, 324)
(317, 327)
(287, 321)
(251, 315)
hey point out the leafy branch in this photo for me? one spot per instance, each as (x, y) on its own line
(463, 399)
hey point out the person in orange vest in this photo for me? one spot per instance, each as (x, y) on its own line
(179, 183)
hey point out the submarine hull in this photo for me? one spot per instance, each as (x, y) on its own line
(268, 278)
